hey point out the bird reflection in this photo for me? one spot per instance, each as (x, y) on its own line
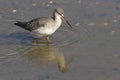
(47, 54)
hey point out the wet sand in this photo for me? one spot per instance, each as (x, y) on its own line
(89, 52)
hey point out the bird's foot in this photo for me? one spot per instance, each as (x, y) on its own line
(48, 40)
(36, 41)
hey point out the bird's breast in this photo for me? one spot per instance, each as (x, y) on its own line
(49, 28)
(44, 31)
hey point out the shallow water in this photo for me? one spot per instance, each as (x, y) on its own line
(88, 52)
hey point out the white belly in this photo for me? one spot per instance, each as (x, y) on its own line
(42, 32)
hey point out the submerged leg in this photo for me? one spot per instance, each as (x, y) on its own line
(36, 41)
(47, 39)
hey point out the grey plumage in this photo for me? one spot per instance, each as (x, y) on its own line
(30, 25)
(44, 26)
(38, 22)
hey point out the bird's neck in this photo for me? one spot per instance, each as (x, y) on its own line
(57, 18)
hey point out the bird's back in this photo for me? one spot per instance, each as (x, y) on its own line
(35, 23)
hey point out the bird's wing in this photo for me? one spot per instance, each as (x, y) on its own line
(36, 23)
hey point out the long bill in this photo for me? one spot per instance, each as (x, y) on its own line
(67, 22)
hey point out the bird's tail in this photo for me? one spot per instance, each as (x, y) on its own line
(23, 25)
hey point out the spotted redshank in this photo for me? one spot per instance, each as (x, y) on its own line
(44, 26)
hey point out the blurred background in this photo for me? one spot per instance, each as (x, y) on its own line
(91, 51)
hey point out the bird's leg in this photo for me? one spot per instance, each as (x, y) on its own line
(47, 39)
(36, 41)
